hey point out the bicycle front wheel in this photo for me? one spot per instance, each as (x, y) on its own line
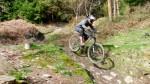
(74, 43)
(96, 53)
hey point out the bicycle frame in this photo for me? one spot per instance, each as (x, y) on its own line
(91, 35)
(94, 49)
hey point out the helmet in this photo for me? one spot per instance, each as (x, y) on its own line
(91, 18)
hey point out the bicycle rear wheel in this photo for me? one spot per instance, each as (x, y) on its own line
(74, 43)
(106, 64)
(96, 53)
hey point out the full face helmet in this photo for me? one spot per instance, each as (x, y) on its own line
(91, 18)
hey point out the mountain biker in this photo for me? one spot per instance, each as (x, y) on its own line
(80, 28)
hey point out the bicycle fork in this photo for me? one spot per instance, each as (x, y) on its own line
(93, 48)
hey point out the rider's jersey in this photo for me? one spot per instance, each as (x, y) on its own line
(84, 24)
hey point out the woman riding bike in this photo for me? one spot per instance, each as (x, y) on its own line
(80, 28)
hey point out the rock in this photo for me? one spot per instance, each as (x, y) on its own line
(27, 46)
(119, 81)
(22, 82)
(146, 53)
(113, 74)
(146, 64)
(39, 67)
(109, 78)
(37, 58)
(4, 65)
(46, 76)
(38, 80)
(128, 79)
(92, 69)
(4, 79)
(97, 73)
(82, 65)
(33, 60)
(149, 76)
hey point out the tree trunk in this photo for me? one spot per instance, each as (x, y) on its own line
(110, 9)
(114, 9)
(117, 6)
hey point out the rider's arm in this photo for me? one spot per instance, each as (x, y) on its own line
(83, 25)
(92, 27)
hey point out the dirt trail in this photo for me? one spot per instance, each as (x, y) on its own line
(11, 59)
(99, 76)
(102, 76)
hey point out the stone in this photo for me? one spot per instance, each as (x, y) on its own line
(46, 76)
(109, 78)
(22, 82)
(82, 65)
(119, 81)
(5, 66)
(4, 79)
(27, 46)
(39, 67)
(92, 69)
(113, 74)
(97, 73)
(37, 58)
(128, 79)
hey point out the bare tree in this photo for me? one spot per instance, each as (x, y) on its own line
(84, 7)
(117, 6)
(110, 9)
(114, 9)
(77, 7)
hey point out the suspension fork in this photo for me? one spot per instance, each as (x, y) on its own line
(94, 44)
(94, 40)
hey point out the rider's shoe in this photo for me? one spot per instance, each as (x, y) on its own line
(82, 49)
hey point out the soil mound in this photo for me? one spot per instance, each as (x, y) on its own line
(16, 31)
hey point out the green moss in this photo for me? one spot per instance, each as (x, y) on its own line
(128, 55)
(53, 38)
(21, 73)
(49, 54)
(83, 72)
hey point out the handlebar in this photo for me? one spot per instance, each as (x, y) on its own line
(89, 30)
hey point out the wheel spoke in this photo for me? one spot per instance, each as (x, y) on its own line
(96, 53)
(74, 43)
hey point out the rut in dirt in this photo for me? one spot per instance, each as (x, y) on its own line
(98, 75)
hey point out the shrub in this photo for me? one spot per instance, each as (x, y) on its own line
(36, 10)
(124, 7)
(136, 2)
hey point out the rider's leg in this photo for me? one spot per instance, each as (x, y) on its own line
(81, 32)
(81, 44)
(81, 41)
(81, 37)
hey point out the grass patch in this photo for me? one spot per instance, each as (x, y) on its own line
(20, 74)
(53, 38)
(50, 54)
(128, 55)
(86, 76)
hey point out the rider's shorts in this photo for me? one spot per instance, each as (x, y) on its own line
(81, 32)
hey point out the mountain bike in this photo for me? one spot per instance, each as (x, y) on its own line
(95, 51)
